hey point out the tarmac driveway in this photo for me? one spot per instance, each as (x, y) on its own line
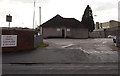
(102, 49)
(65, 56)
(90, 50)
(99, 44)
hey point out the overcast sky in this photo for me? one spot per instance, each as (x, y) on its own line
(22, 10)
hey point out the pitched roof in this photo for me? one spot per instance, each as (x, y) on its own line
(59, 21)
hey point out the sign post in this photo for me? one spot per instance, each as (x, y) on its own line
(8, 19)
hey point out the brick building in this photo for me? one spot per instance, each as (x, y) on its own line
(64, 28)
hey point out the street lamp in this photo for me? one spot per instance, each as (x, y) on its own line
(96, 23)
(95, 16)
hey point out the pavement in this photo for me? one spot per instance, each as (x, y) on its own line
(65, 56)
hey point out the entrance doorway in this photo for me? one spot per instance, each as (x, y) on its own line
(63, 33)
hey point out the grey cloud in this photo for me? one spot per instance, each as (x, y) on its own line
(104, 6)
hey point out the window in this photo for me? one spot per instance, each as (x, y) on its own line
(58, 29)
(68, 29)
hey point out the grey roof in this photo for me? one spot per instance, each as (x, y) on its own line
(59, 21)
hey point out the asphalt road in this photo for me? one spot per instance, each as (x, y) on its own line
(60, 68)
(65, 56)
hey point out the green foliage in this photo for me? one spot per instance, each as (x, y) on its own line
(42, 45)
(87, 18)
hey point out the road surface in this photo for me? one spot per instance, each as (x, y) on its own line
(65, 56)
(97, 44)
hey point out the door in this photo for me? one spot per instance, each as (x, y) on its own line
(63, 33)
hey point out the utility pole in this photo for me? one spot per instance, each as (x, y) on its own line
(34, 15)
(40, 21)
(40, 16)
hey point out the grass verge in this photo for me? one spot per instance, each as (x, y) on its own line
(42, 45)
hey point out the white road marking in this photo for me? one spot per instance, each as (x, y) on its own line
(104, 42)
(67, 45)
(84, 50)
(99, 45)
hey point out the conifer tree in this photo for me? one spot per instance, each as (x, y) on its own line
(87, 18)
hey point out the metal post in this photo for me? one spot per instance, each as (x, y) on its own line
(34, 15)
(9, 25)
(40, 21)
(9, 22)
(40, 15)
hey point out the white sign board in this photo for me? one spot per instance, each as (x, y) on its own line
(8, 40)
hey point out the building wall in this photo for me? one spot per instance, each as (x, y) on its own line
(25, 40)
(68, 32)
(97, 34)
(105, 25)
(113, 24)
(110, 24)
(50, 32)
(97, 25)
(104, 33)
(79, 33)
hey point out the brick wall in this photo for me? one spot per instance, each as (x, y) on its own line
(104, 33)
(25, 39)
